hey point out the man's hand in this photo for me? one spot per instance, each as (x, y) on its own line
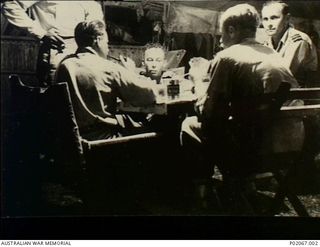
(168, 74)
(128, 63)
(198, 69)
(160, 93)
(53, 40)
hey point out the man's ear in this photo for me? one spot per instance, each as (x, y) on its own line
(231, 31)
(165, 64)
(98, 39)
(95, 42)
(287, 18)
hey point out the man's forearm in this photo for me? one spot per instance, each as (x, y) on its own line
(15, 12)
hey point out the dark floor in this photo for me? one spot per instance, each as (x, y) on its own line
(172, 201)
(157, 194)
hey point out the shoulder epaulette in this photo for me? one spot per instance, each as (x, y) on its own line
(296, 37)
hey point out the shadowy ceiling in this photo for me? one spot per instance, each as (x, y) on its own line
(304, 9)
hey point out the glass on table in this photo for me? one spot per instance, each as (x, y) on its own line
(161, 93)
(198, 73)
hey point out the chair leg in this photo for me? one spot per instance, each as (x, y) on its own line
(278, 200)
(284, 191)
(297, 205)
(237, 201)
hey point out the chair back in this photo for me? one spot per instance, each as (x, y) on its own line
(23, 136)
(24, 117)
(62, 132)
(174, 58)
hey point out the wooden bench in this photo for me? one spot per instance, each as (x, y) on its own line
(282, 166)
(310, 109)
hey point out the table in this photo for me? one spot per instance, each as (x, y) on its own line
(185, 98)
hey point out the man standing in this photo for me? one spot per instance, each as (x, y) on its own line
(53, 23)
(294, 46)
(99, 82)
(228, 117)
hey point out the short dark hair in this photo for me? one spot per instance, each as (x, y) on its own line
(87, 31)
(154, 45)
(285, 7)
(242, 16)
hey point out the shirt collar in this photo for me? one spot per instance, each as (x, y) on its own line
(87, 49)
(249, 41)
(282, 41)
(285, 36)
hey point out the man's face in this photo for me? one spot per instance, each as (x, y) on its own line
(273, 20)
(102, 45)
(154, 62)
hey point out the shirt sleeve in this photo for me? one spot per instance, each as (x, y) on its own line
(214, 107)
(15, 12)
(132, 88)
(297, 54)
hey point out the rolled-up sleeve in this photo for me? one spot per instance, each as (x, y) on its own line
(134, 89)
(213, 107)
(15, 12)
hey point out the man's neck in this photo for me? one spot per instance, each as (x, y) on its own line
(276, 38)
(87, 49)
(249, 40)
(156, 78)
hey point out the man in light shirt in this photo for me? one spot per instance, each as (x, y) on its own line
(100, 82)
(295, 47)
(53, 23)
(229, 128)
(154, 60)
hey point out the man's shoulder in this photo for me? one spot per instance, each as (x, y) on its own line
(88, 58)
(296, 36)
(246, 52)
(228, 53)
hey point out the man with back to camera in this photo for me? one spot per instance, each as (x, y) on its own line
(238, 76)
(53, 23)
(105, 81)
(294, 46)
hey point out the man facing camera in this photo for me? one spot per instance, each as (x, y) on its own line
(228, 117)
(154, 62)
(294, 46)
(100, 82)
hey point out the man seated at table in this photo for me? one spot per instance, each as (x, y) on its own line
(154, 68)
(100, 82)
(294, 46)
(154, 62)
(238, 76)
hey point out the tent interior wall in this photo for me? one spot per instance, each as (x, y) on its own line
(189, 25)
